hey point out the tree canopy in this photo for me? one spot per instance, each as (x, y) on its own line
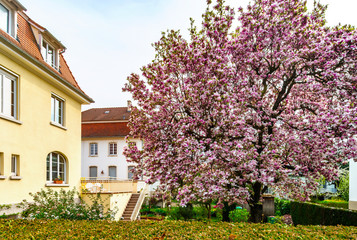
(230, 112)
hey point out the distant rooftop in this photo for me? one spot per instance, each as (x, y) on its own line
(106, 114)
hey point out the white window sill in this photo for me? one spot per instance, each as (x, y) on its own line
(112, 155)
(58, 125)
(56, 185)
(93, 155)
(15, 177)
(2, 177)
(11, 119)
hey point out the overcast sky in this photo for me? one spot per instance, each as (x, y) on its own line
(109, 39)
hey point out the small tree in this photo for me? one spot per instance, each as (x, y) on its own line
(229, 113)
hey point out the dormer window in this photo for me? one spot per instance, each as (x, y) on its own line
(49, 54)
(4, 18)
(7, 18)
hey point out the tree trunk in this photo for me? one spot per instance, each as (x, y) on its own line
(226, 209)
(256, 213)
(256, 209)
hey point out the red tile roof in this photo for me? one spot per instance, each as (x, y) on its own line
(106, 114)
(93, 130)
(26, 43)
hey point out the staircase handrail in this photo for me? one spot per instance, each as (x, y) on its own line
(140, 201)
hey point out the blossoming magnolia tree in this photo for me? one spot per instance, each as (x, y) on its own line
(230, 113)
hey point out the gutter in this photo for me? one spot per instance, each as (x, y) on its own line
(44, 68)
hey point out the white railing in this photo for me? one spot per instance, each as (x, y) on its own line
(108, 185)
(140, 201)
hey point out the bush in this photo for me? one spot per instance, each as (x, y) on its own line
(314, 214)
(65, 229)
(160, 211)
(50, 204)
(343, 187)
(200, 213)
(282, 207)
(334, 203)
(239, 215)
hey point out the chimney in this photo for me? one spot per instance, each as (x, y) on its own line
(129, 106)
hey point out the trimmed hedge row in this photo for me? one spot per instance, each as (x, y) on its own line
(332, 203)
(304, 213)
(83, 229)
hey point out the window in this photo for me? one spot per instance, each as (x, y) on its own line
(8, 94)
(4, 18)
(57, 106)
(55, 167)
(15, 165)
(93, 149)
(93, 171)
(8, 18)
(49, 54)
(113, 149)
(112, 171)
(130, 173)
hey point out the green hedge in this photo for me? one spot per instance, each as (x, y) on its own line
(146, 229)
(334, 203)
(314, 214)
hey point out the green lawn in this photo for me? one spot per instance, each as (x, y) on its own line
(63, 229)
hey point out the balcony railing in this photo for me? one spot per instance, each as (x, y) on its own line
(110, 185)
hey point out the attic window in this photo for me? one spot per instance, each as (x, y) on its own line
(123, 117)
(49, 54)
(106, 112)
(7, 19)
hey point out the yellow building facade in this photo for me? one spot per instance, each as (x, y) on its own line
(40, 110)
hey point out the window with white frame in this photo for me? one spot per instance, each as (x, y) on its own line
(130, 172)
(112, 171)
(93, 149)
(113, 149)
(57, 110)
(8, 94)
(56, 167)
(49, 54)
(93, 171)
(7, 19)
(4, 18)
(15, 165)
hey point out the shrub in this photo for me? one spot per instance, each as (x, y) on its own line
(314, 214)
(282, 206)
(186, 212)
(334, 203)
(343, 187)
(50, 204)
(239, 215)
(200, 212)
(160, 211)
(65, 229)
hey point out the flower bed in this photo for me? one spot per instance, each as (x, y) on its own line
(65, 229)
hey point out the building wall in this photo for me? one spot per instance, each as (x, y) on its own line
(353, 185)
(35, 138)
(103, 160)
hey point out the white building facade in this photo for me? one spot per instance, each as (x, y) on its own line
(103, 142)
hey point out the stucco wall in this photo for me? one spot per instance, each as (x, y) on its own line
(118, 203)
(35, 138)
(103, 160)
